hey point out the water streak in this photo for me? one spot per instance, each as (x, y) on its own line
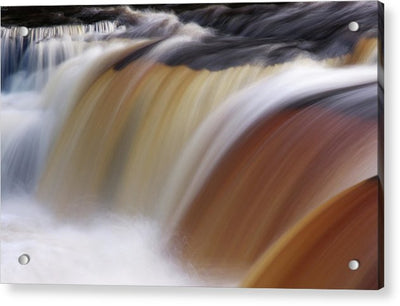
(173, 146)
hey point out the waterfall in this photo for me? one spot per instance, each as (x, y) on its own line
(36, 52)
(178, 148)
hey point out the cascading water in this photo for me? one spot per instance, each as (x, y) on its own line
(52, 68)
(143, 148)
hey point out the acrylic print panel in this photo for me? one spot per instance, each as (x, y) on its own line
(234, 145)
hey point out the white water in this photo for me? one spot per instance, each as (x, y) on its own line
(102, 249)
(107, 249)
(28, 60)
(117, 249)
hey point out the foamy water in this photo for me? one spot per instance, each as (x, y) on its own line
(103, 249)
(112, 131)
(100, 248)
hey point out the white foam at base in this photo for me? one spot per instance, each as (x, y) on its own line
(107, 249)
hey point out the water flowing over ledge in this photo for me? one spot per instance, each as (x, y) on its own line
(188, 145)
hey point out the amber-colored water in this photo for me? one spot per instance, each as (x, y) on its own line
(233, 172)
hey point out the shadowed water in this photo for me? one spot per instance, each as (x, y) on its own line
(174, 146)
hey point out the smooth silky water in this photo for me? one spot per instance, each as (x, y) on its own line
(129, 151)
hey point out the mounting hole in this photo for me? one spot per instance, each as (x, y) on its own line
(24, 259)
(354, 26)
(354, 264)
(23, 31)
